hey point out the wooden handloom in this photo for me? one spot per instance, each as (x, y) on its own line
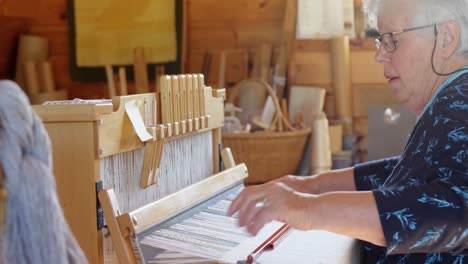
(84, 134)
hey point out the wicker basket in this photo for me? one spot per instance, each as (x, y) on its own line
(268, 154)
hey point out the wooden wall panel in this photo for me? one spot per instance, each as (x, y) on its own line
(312, 68)
(216, 25)
(19, 8)
(212, 25)
(9, 29)
(235, 66)
(370, 94)
(364, 68)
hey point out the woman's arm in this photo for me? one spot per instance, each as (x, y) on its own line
(362, 177)
(336, 180)
(353, 214)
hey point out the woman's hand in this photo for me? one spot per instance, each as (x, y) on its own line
(259, 205)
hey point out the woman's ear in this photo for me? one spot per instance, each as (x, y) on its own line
(449, 34)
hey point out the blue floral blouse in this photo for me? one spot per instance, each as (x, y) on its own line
(422, 195)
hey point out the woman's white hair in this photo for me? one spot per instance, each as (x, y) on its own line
(431, 11)
(35, 228)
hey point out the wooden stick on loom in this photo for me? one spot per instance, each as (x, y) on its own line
(159, 71)
(141, 72)
(110, 81)
(123, 81)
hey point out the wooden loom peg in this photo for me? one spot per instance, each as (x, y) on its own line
(175, 104)
(169, 130)
(201, 98)
(166, 99)
(189, 101)
(196, 102)
(183, 102)
(159, 71)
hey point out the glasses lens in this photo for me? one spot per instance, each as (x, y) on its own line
(387, 41)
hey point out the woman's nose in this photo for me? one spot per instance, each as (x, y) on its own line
(381, 55)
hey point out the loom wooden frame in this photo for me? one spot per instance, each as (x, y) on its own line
(123, 225)
(83, 134)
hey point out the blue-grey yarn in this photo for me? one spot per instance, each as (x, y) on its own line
(36, 230)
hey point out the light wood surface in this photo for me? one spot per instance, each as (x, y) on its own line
(110, 81)
(77, 170)
(112, 210)
(46, 77)
(31, 77)
(30, 49)
(123, 81)
(158, 210)
(342, 82)
(228, 159)
(108, 31)
(140, 70)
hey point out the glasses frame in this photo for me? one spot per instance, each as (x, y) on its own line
(388, 42)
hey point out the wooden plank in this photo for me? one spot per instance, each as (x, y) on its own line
(10, 28)
(222, 10)
(235, 71)
(237, 34)
(20, 8)
(310, 74)
(316, 45)
(76, 189)
(111, 210)
(57, 37)
(330, 106)
(370, 94)
(51, 13)
(361, 126)
(363, 144)
(364, 68)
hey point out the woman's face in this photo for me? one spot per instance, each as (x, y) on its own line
(408, 68)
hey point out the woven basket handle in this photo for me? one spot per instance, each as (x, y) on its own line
(279, 117)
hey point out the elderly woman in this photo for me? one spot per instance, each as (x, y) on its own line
(412, 208)
(34, 229)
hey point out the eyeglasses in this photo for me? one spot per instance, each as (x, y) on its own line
(386, 39)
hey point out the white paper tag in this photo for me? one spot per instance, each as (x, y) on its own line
(137, 121)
